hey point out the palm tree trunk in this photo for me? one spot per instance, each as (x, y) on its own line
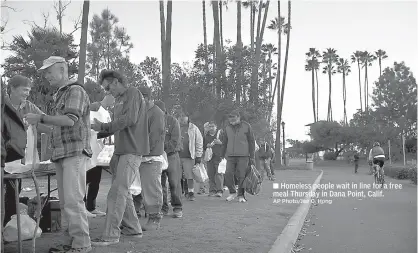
(239, 57)
(289, 9)
(217, 47)
(344, 99)
(366, 90)
(317, 96)
(205, 42)
(313, 93)
(252, 27)
(359, 84)
(380, 66)
(329, 96)
(163, 45)
(83, 41)
(168, 44)
(220, 25)
(277, 147)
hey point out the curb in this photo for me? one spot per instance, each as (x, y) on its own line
(284, 242)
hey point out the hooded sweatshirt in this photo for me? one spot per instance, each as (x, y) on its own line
(156, 128)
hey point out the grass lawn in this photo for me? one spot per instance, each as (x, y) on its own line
(208, 225)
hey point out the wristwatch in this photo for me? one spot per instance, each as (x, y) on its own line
(42, 118)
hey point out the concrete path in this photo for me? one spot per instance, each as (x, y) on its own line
(386, 224)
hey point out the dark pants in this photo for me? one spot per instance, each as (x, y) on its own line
(355, 166)
(10, 199)
(93, 179)
(216, 180)
(236, 168)
(174, 175)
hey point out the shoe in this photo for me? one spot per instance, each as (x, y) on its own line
(273, 178)
(139, 235)
(90, 215)
(241, 199)
(164, 211)
(153, 222)
(177, 213)
(98, 213)
(69, 249)
(219, 195)
(102, 243)
(212, 194)
(231, 197)
(191, 196)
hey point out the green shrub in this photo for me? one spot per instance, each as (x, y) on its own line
(329, 156)
(403, 173)
(413, 174)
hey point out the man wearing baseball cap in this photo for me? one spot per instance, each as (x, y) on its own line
(71, 149)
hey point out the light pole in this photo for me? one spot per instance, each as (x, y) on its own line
(284, 154)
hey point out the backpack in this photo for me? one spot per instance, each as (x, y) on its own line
(13, 132)
(252, 181)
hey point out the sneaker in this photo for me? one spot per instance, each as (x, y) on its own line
(219, 195)
(69, 249)
(164, 211)
(139, 235)
(191, 196)
(90, 215)
(98, 213)
(102, 243)
(212, 194)
(241, 199)
(153, 222)
(177, 213)
(231, 197)
(273, 177)
(225, 188)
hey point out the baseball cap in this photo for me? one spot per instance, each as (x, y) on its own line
(234, 113)
(51, 61)
(146, 91)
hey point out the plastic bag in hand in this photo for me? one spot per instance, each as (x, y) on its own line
(27, 225)
(199, 173)
(208, 155)
(222, 167)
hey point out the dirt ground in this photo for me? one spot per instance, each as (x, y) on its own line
(208, 224)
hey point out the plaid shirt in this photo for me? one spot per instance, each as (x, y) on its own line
(68, 141)
(28, 107)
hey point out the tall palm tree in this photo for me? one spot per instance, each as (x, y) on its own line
(269, 49)
(253, 10)
(380, 55)
(217, 45)
(344, 68)
(238, 86)
(83, 41)
(330, 58)
(205, 42)
(356, 57)
(313, 65)
(367, 60)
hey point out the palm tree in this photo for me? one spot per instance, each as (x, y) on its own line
(356, 57)
(344, 68)
(205, 42)
(380, 54)
(83, 41)
(367, 61)
(313, 65)
(269, 50)
(238, 54)
(217, 45)
(330, 58)
(253, 10)
(166, 25)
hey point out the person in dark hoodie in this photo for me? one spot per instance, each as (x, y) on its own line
(172, 146)
(265, 155)
(130, 129)
(151, 166)
(239, 151)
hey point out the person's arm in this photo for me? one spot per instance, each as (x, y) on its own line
(251, 142)
(129, 115)
(42, 128)
(156, 126)
(205, 143)
(370, 155)
(175, 136)
(199, 143)
(224, 139)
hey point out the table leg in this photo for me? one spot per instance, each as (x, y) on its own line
(49, 188)
(19, 237)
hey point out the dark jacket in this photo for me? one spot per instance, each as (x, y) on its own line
(13, 133)
(216, 149)
(265, 152)
(156, 127)
(238, 140)
(172, 141)
(129, 124)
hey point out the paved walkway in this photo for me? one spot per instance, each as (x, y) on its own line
(385, 224)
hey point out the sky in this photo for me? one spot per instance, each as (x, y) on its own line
(346, 26)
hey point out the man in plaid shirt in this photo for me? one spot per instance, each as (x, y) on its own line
(71, 149)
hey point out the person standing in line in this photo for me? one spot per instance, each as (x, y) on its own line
(239, 151)
(356, 161)
(130, 128)
(212, 140)
(191, 153)
(151, 166)
(173, 174)
(71, 149)
(265, 156)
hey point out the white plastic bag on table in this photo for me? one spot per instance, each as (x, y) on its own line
(97, 147)
(222, 167)
(165, 161)
(199, 173)
(20, 166)
(27, 225)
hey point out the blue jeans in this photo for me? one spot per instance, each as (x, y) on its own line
(174, 175)
(120, 205)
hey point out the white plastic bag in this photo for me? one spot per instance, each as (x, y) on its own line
(105, 155)
(27, 225)
(208, 155)
(165, 161)
(97, 147)
(101, 115)
(136, 188)
(199, 173)
(20, 166)
(222, 167)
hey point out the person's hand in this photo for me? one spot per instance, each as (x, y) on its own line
(97, 125)
(32, 118)
(197, 160)
(252, 161)
(209, 145)
(108, 101)
(95, 106)
(217, 141)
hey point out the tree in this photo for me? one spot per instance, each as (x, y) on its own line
(380, 55)
(313, 65)
(367, 61)
(166, 49)
(218, 51)
(330, 58)
(205, 41)
(356, 57)
(344, 68)
(60, 8)
(240, 72)
(83, 41)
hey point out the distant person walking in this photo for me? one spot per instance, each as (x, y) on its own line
(265, 155)
(356, 161)
(212, 140)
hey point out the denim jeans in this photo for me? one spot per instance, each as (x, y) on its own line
(120, 206)
(71, 181)
(152, 191)
(174, 175)
(216, 180)
(236, 167)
